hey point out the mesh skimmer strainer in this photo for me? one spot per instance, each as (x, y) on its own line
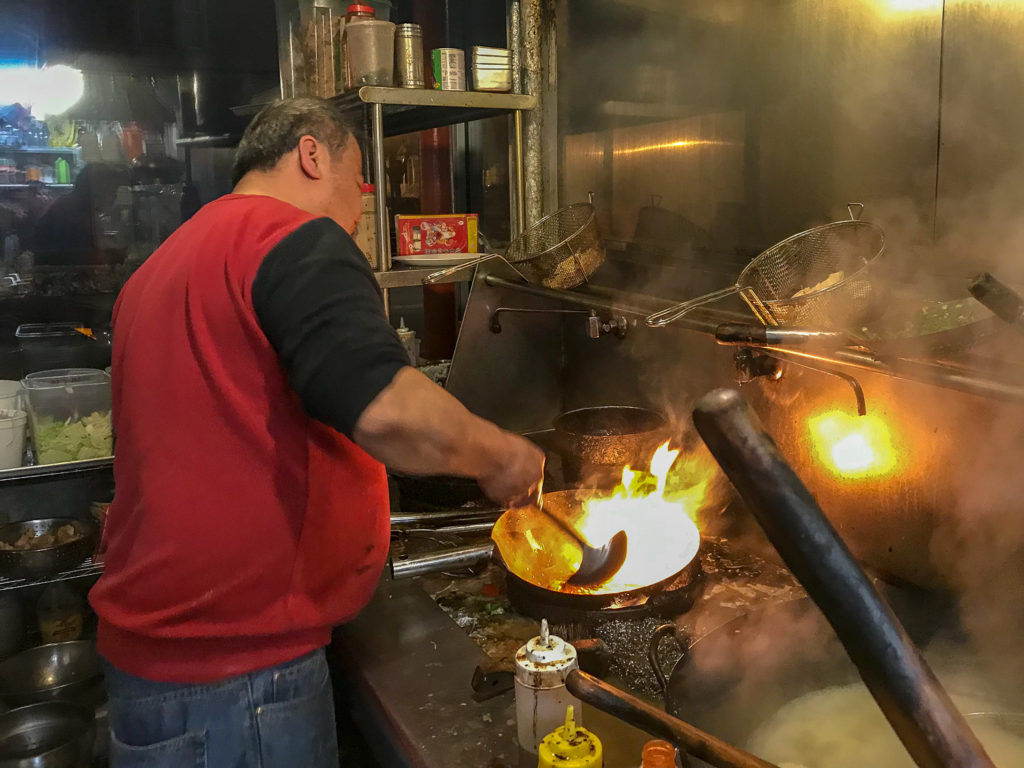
(561, 250)
(815, 279)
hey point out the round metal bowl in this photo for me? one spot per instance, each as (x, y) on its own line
(596, 443)
(67, 671)
(50, 735)
(40, 563)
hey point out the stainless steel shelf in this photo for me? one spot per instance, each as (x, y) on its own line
(407, 110)
(223, 141)
(404, 277)
(55, 470)
(40, 150)
(87, 569)
(44, 183)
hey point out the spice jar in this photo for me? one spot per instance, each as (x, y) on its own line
(409, 71)
(541, 667)
(356, 13)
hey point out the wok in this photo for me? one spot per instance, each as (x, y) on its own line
(50, 735)
(67, 671)
(543, 577)
(596, 443)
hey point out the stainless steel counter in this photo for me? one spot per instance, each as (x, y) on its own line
(409, 668)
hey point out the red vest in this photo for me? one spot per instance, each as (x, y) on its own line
(241, 530)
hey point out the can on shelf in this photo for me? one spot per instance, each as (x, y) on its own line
(449, 65)
(409, 56)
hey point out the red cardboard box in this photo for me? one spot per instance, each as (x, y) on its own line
(441, 233)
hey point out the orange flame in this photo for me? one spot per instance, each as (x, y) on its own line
(660, 524)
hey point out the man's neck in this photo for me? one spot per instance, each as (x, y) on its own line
(272, 185)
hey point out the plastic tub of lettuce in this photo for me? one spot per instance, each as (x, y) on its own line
(69, 414)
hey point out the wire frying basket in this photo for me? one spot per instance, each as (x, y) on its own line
(819, 278)
(562, 250)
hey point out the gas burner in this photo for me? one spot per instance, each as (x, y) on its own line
(577, 614)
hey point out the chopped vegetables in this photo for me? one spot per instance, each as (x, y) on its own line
(59, 441)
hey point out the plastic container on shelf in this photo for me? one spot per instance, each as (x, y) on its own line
(69, 411)
(371, 53)
(12, 438)
(10, 395)
(47, 346)
(357, 14)
(365, 234)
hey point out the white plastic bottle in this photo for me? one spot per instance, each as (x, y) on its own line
(541, 696)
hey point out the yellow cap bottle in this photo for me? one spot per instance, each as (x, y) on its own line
(570, 746)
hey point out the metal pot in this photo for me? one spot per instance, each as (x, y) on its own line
(41, 563)
(596, 443)
(67, 671)
(734, 677)
(51, 735)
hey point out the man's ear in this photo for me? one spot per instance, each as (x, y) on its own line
(311, 157)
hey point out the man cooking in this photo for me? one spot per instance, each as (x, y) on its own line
(258, 392)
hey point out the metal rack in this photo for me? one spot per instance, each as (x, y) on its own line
(88, 569)
(396, 111)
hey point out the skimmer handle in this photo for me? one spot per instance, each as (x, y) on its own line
(669, 315)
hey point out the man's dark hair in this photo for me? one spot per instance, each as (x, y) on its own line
(276, 131)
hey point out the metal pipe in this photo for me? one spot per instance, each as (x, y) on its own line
(858, 391)
(533, 70)
(909, 370)
(907, 691)
(595, 302)
(439, 562)
(520, 172)
(425, 519)
(380, 193)
(639, 713)
(468, 529)
(496, 321)
(380, 188)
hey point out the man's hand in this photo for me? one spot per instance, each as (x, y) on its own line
(518, 481)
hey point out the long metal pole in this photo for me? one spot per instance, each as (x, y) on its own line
(907, 691)
(380, 192)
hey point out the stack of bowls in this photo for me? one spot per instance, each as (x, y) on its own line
(492, 69)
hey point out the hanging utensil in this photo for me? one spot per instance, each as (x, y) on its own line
(1004, 302)
(639, 713)
(815, 279)
(907, 691)
(561, 250)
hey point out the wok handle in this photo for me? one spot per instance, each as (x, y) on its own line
(908, 693)
(743, 335)
(1002, 300)
(669, 315)
(646, 717)
(654, 654)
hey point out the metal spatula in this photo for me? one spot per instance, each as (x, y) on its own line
(599, 563)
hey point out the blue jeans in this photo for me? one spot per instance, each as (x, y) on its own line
(282, 717)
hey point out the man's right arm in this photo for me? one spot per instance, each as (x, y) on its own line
(319, 306)
(414, 426)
